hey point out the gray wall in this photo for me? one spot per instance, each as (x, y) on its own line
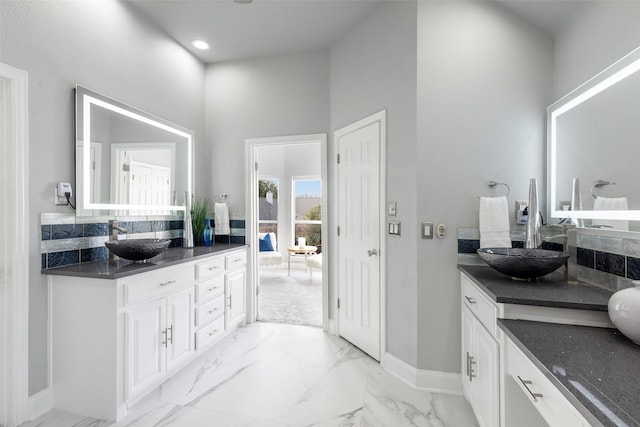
(484, 82)
(601, 33)
(107, 47)
(276, 96)
(374, 68)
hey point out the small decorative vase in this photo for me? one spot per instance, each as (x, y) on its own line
(187, 236)
(624, 311)
(207, 233)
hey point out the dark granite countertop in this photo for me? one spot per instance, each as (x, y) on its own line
(549, 291)
(123, 268)
(595, 368)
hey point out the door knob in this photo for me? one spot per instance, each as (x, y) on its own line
(372, 252)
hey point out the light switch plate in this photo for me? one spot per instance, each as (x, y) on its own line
(393, 208)
(394, 228)
(426, 230)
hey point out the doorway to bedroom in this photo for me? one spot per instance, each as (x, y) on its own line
(288, 223)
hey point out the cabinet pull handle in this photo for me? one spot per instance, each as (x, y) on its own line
(230, 301)
(164, 332)
(167, 283)
(170, 339)
(211, 289)
(214, 331)
(471, 300)
(212, 268)
(526, 383)
(211, 311)
(468, 367)
(472, 372)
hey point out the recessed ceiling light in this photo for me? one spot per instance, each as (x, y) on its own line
(200, 44)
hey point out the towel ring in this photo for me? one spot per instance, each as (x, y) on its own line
(222, 196)
(494, 184)
(599, 183)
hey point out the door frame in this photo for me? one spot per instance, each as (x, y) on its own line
(251, 215)
(381, 117)
(14, 287)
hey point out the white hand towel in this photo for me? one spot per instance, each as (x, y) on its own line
(494, 223)
(611, 204)
(221, 218)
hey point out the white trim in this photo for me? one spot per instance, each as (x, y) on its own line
(40, 403)
(14, 282)
(432, 381)
(380, 117)
(251, 214)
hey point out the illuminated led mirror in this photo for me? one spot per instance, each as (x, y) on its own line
(128, 162)
(594, 135)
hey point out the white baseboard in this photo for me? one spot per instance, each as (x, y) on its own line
(432, 381)
(40, 403)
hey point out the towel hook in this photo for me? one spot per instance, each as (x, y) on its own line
(494, 184)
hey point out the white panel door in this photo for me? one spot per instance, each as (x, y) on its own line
(359, 237)
(180, 337)
(146, 347)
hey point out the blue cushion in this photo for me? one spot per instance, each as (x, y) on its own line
(265, 244)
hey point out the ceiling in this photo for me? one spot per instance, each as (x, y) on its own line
(279, 27)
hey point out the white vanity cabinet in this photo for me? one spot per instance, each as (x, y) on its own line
(531, 400)
(235, 285)
(480, 354)
(115, 340)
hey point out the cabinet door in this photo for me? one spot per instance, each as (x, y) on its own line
(467, 353)
(180, 309)
(487, 376)
(146, 341)
(235, 287)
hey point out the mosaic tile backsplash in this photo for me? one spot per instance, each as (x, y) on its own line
(65, 241)
(609, 262)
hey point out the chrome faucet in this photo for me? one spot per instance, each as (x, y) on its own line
(532, 236)
(114, 229)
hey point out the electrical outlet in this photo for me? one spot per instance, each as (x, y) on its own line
(57, 200)
(521, 206)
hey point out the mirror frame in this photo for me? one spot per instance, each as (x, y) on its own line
(84, 99)
(615, 73)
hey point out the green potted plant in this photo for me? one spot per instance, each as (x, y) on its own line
(199, 209)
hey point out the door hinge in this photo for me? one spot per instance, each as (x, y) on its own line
(338, 158)
(338, 230)
(256, 166)
(257, 291)
(338, 303)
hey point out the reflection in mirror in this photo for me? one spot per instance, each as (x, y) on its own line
(128, 162)
(594, 138)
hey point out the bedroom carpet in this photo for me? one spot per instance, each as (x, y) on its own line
(295, 299)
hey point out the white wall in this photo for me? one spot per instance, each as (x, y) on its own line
(285, 162)
(107, 47)
(600, 34)
(484, 82)
(374, 68)
(276, 96)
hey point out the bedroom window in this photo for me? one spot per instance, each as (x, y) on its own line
(268, 205)
(307, 210)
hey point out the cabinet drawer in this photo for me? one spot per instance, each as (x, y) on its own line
(480, 305)
(209, 333)
(210, 268)
(209, 311)
(141, 288)
(209, 289)
(236, 260)
(544, 396)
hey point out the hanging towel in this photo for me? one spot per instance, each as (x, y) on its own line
(494, 223)
(611, 204)
(221, 218)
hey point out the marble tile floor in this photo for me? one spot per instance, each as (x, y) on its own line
(280, 375)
